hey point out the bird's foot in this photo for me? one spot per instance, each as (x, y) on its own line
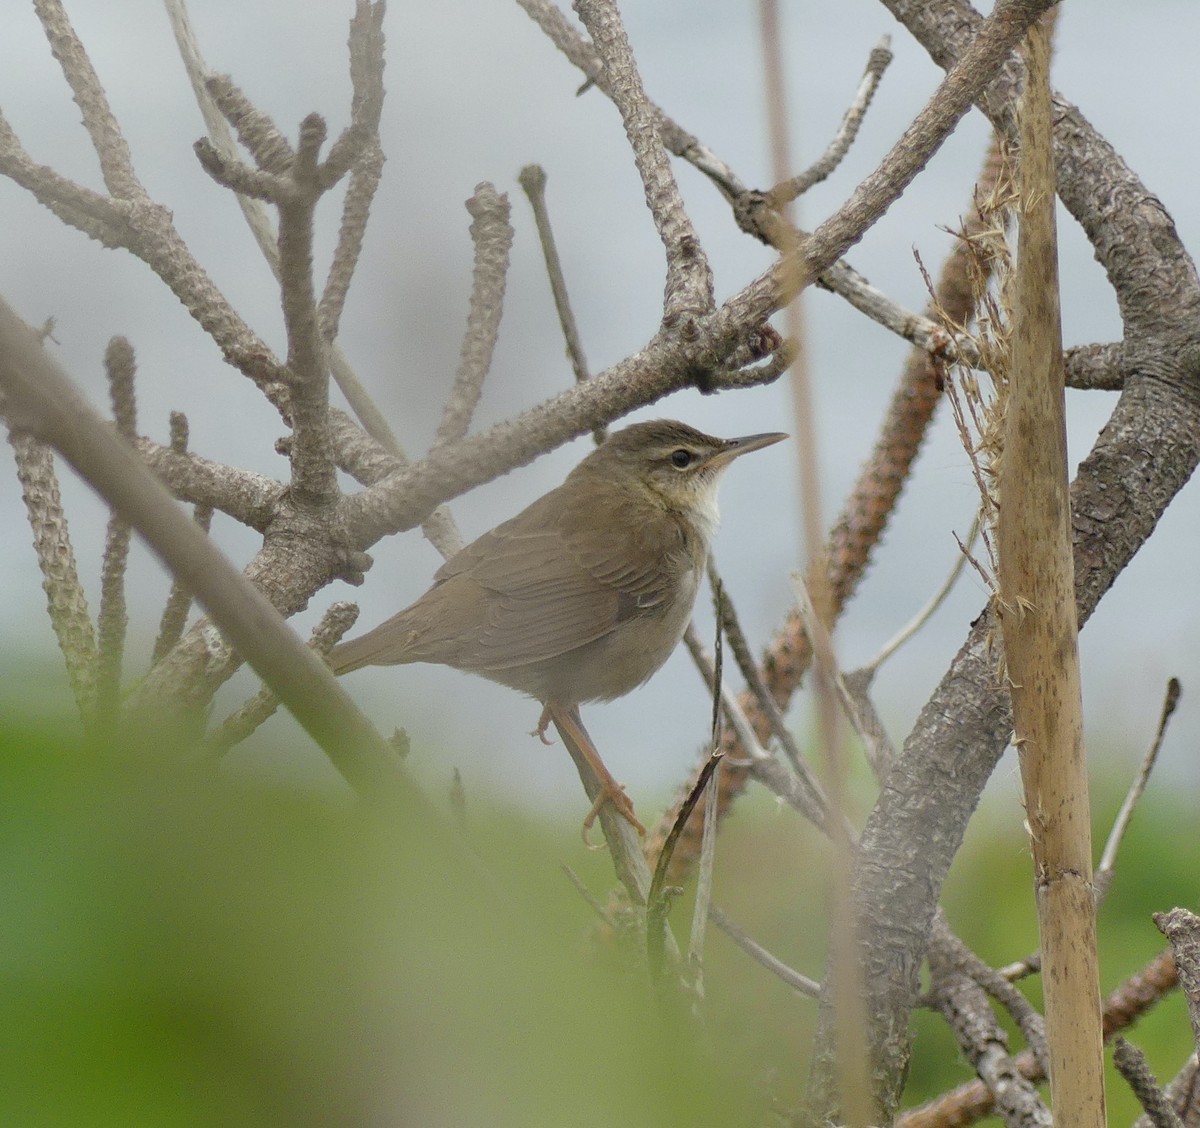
(542, 725)
(612, 793)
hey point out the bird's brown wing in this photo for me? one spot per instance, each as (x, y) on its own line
(543, 583)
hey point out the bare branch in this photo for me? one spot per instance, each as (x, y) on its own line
(533, 180)
(113, 619)
(492, 235)
(179, 599)
(39, 393)
(253, 714)
(1100, 367)
(65, 600)
(918, 329)
(311, 453)
(1183, 1093)
(95, 215)
(583, 55)
(955, 954)
(1132, 1065)
(273, 153)
(372, 457)
(144, 228)
(262, 138)
(958, 997)
(689, 289)
(356, 210)
(116, 165)
(879, 61)
(366, 75)
(241, 178)
(1182, 929)
(918, 621)
(1127, 1003)
(249, 498)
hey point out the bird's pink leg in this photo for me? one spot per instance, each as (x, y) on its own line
(611, 791)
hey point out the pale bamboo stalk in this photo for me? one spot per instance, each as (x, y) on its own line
(1040, 629)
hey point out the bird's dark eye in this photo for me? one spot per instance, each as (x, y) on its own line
(681, 459)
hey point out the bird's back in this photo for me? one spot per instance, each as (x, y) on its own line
(542, 602)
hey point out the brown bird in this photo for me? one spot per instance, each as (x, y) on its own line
(584, 594)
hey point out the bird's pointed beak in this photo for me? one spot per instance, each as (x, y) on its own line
(734, 448)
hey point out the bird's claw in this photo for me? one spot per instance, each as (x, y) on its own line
(624, 807)
(542, 725)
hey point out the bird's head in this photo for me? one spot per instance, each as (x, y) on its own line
(673, 464)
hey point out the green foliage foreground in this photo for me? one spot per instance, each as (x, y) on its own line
(182, 948)
(178, 949)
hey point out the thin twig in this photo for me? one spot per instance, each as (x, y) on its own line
(587, 895)
(1022, 968)
(917, 328)
(801, 984)
(910, 629)
(731, 627)
(1108, 859)
(658, 899)
(361, 136)
(789, 190)
(839, 278)
(769, 771)
(358, 149)
(865, 722)
(272, 152)
(179, 599)
(532, 179)
(582, 54)
(113, 617)
(1021, 1010)
(154, 240)
(708, 845)
(704, 878)
(356, 211)
(254, 713)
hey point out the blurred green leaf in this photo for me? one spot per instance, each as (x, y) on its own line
(179, 949)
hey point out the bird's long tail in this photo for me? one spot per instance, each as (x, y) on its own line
(377, 647)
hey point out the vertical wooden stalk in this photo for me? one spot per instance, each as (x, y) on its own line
(1037, 614)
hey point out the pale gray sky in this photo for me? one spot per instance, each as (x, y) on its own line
(474, 93)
